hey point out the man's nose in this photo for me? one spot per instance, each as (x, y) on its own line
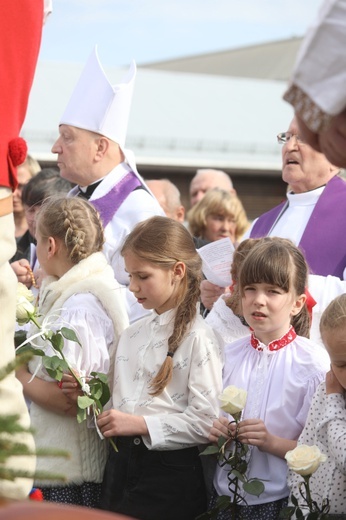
(56, 148)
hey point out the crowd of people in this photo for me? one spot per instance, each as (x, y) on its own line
(114, 258)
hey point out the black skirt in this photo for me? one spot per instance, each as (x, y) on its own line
(153, 485)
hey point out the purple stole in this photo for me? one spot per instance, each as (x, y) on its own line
(108, 204)
(324, 239)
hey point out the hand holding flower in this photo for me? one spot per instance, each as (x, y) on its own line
(70, 387)
(221, 428)
(254, 432)
(113, 423)
(233, 452)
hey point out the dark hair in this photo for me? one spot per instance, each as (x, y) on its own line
(277, 261)
(75, 222)
(164, 242)
(46, 183)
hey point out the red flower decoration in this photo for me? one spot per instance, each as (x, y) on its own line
(36, 494)
(17, 151)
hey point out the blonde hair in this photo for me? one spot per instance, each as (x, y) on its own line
(217, 202)
(277, 261)
(75, 222)
(334, 316)
(31, 165)
(163, 242)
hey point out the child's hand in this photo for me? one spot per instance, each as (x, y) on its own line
(70, 387)
(332, 384)
(221, 427)
(254, 432)
(22, 270)
(113, 423)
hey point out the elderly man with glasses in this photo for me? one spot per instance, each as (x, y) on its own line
(313, 216)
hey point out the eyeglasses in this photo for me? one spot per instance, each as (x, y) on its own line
(284, 137)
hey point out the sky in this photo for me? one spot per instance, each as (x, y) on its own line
(155, 30)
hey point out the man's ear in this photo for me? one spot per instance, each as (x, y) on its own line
(102, 147)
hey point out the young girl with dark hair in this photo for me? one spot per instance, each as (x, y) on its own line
(278, 367)
(167, 381)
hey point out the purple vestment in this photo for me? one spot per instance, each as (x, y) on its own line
(108, 204)
(324, 239)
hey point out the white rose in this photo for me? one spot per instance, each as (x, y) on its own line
(304, 459)
(23, 304)
(233, 399)
(22, 290)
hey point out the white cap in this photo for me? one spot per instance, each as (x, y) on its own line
(98, 106)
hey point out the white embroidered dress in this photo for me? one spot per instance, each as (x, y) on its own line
(280, 385)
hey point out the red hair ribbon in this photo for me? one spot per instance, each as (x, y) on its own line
(36, 494)
(310, 303)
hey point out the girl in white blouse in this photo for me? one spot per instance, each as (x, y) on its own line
(167, 376)
(80, 292)
(326, 423)
(279, 369)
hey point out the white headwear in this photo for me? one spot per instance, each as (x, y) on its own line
(98, 106)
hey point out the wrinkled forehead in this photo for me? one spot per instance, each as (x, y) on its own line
(293, 126)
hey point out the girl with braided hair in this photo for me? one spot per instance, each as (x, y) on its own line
(167, 378)
(80, 292)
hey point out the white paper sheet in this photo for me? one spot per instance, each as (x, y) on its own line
(216, 261)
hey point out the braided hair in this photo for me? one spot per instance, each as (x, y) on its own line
(75, 222)
(163, 242)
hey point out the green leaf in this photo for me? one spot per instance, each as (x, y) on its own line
(55, 366)
(287, 512)
(210, 450)
(31, 349)
(102, 377)
(299, 514)
(96, 389)
(239, 476)
(294, 500)
(81, 415)
(70, 335)
(221, 441)
(57, 341)
(106, 395)
(254, 487)
(84, 401)
(19, 337)
(223, 502)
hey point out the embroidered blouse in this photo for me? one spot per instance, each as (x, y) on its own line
(280, 385)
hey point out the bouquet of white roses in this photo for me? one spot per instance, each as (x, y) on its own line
(95, 388)
(233, 453)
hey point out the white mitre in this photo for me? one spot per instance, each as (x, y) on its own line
(99, 106)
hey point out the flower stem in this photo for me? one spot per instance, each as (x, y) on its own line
(308, 492)
(113, 444)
